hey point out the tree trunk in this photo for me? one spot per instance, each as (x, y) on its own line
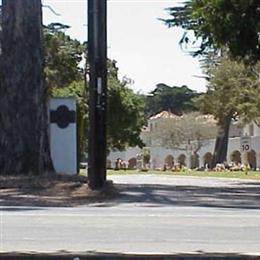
(221, 145)
(24, 140)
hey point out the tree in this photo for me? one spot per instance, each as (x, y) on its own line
(125, 116)
(230, 28)
(217, 24)
(232, 93)
(188, 132)
(62, 57)
(175, 99)
(24, 142)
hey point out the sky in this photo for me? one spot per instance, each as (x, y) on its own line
(146, 51)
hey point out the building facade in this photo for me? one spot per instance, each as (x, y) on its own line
(162, 157)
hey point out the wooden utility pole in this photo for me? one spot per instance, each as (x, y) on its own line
(97, 58)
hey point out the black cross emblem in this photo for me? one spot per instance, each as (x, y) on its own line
(62, 116)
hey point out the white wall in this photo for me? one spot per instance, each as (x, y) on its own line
(159, 154)
(126, 155)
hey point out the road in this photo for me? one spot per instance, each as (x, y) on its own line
(155, 214)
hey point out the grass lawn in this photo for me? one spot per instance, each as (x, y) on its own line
(255, 175)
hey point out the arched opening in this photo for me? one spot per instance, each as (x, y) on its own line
(235, 157)
(251, 157)
(207, 160)
(195, 162)
(132, 163)
(169, 161)
(182, 160)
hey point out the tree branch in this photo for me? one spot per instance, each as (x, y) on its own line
(51, 9)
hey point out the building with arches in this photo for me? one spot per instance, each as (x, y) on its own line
(163, 157)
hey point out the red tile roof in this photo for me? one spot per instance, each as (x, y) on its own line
(164, 114)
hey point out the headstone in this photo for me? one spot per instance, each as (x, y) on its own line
(139, 161)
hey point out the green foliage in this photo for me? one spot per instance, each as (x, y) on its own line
(77, 90)
(64, 79)
(231, 28)
(232, 91)
(62, 57)
(220, 23)
(175, 99)
(125, 114)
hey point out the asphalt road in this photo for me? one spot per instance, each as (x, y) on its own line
(154, 215)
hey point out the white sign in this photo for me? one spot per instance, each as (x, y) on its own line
(245, 144)
(63, 134)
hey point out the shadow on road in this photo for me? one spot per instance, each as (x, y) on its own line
(14, 209)
(244, 196)
(240, 195)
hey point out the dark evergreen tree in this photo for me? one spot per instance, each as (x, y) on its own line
(232, 24)
(175, 99)
(62, 57)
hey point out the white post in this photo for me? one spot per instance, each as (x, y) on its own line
(63, 135)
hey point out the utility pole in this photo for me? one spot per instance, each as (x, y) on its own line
(97, 58)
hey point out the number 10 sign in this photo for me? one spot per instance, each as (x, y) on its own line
(245, 144)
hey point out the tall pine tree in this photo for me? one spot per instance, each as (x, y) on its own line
(24, 142)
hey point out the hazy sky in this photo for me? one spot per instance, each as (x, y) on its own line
(145, 49)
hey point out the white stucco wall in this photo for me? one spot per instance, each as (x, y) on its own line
(126, 155)
(159, 154)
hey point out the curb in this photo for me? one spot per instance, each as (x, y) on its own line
(117, 256)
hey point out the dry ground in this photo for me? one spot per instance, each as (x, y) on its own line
(50, 190)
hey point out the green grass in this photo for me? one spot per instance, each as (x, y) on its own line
(255, 175)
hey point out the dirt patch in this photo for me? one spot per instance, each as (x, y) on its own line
(51, 190)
